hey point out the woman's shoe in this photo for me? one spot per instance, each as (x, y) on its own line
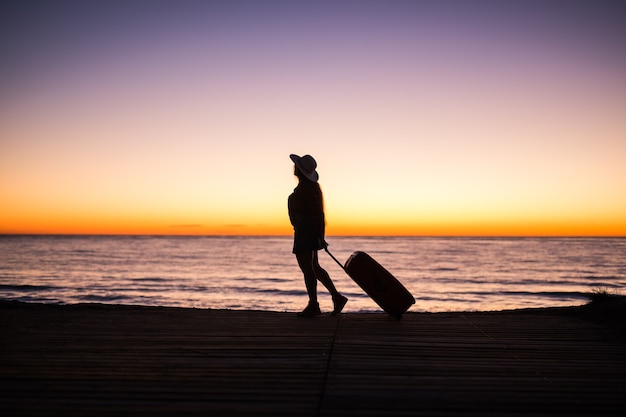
(311, 310)
(339, 303)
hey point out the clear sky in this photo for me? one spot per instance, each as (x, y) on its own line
(425, 117)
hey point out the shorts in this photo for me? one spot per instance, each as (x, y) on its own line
(305, 242)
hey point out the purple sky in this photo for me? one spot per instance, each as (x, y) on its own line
(460, 112)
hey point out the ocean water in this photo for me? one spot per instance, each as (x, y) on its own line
(261, 273)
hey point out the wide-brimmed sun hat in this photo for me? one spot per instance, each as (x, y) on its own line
(306, 164)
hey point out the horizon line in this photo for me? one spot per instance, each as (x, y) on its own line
(503, 236)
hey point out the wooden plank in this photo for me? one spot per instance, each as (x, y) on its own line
(478, 364)
(103, 360)
(114, 360)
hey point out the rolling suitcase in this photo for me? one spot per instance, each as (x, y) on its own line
(378, 283)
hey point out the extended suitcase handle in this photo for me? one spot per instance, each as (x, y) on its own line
(335, 259)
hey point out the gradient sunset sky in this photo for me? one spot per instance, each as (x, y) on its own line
(425, 117)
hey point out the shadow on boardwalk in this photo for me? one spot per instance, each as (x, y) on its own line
(122, 360)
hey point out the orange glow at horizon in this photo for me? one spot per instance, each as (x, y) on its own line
(337, 226)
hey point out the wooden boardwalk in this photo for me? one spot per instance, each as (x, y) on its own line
(112, 360)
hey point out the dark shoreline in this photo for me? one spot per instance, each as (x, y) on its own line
(597, 303)
(106, 360)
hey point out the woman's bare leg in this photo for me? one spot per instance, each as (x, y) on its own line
(306, 263)
(339, 301)
(323, 277)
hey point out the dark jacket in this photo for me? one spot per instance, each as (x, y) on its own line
(306, 210)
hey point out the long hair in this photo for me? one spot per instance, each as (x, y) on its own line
(313, 185)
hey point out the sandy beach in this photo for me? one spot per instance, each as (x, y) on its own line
(105, 360)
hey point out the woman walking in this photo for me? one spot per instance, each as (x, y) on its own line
(306, 213)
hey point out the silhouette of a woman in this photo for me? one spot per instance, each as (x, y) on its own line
(306, 213)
